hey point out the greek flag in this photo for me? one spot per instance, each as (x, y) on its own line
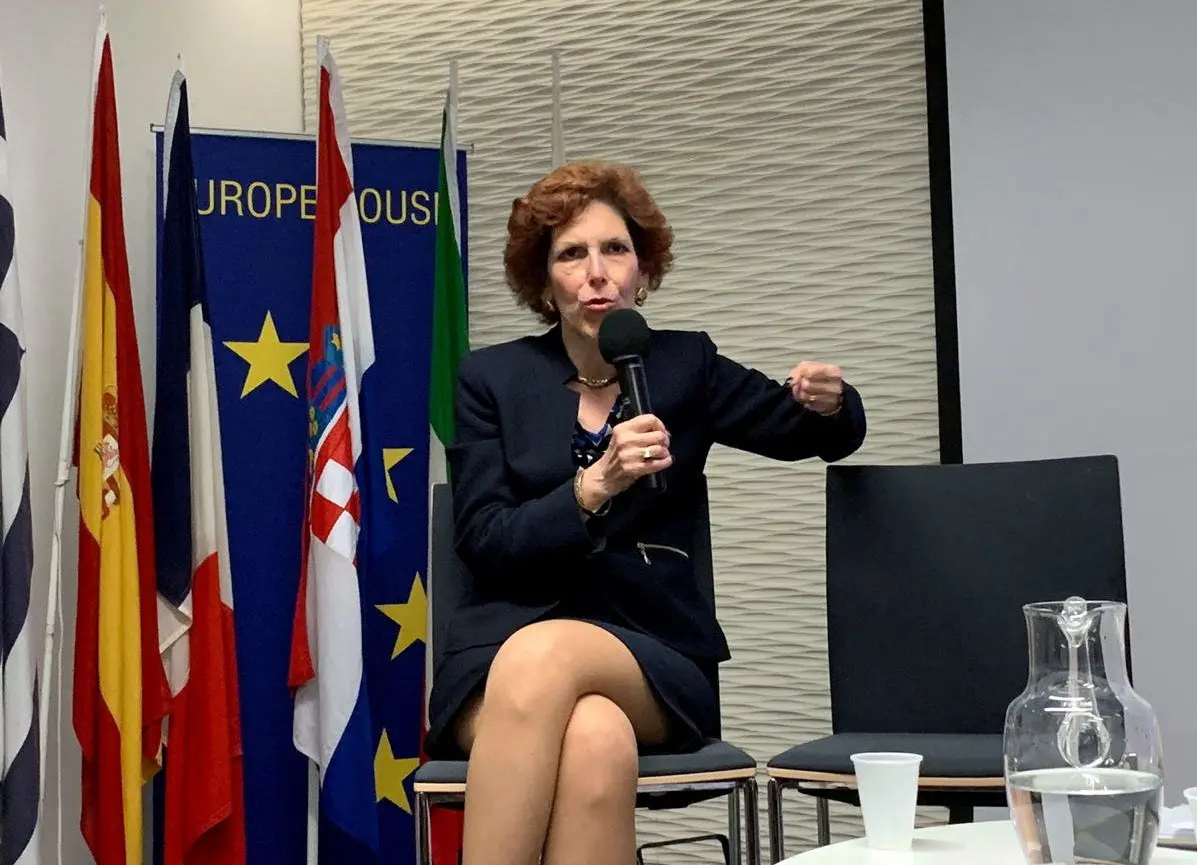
(19, 757)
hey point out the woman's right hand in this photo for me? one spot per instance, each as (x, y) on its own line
(638, 447)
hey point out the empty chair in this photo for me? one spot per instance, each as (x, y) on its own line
(928, 568)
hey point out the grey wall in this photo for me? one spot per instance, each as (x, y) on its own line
(1073, 138)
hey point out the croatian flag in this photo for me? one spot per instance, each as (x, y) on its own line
(332, 725)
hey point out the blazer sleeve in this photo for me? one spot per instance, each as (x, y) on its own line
(494, 530)
(751, 412)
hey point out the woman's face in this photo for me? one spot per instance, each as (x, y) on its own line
(593, 268)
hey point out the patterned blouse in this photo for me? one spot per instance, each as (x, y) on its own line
(588, 446)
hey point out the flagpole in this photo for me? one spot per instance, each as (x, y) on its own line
(65, 460)
(313, 827)
(557, 132)
(62, 478)
(437, 468)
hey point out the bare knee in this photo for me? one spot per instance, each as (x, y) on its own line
(531, 676)
(599, 760)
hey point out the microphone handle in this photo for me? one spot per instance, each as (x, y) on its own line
(634, 385)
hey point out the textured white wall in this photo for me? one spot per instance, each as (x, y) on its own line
(787, 144)
(243, 68)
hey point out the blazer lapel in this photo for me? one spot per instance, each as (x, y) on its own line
(560, 414)
(556, 408)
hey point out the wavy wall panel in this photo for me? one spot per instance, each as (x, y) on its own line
(786, 142)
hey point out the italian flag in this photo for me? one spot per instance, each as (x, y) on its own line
(450, 331)
(450, 340)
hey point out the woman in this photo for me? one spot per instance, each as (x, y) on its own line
(588, 638)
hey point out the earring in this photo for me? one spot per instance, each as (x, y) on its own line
(641, 295)
(549, 305)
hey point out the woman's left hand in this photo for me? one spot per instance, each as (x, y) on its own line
(817, 386)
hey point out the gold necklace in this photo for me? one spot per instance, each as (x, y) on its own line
(596, 383)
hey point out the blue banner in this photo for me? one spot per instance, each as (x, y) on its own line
(257, 202)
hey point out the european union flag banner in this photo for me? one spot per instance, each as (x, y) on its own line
(257, 202)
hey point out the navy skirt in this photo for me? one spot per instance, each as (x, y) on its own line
(687, 689)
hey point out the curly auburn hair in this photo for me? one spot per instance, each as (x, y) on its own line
(555, 200)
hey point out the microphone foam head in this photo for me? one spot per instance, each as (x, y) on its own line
(623, 333)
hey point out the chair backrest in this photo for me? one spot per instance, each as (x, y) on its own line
(451, 583)
(927, 571)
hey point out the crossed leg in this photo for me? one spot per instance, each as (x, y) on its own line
(552, 747)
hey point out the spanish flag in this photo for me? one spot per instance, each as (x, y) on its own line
(120, 690)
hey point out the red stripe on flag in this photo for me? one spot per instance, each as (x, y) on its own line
(448, 828)
(300, 669)
(205, 809)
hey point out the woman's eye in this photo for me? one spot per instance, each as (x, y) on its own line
(617, 246)
(573, 252)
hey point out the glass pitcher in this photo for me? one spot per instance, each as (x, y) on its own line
(1082, 752)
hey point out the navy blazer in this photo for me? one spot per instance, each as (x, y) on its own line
(519, 529)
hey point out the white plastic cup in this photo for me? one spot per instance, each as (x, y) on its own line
(888, 784)
(1191, 796)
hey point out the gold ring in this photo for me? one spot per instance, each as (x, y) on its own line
(647, 455)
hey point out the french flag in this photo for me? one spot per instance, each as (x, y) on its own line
(332, 724)
(204, 809)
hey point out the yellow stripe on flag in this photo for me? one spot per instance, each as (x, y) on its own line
(106, 502)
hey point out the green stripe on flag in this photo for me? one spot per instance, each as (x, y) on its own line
(450, 329)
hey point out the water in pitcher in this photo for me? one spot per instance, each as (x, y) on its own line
(1107, 815)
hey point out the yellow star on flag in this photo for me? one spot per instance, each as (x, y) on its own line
(269, 358)
(390, 773)
(390, 459)
(411, 616)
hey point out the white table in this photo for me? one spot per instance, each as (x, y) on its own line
(990, 843)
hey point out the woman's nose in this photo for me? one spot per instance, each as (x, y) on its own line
(596, 268)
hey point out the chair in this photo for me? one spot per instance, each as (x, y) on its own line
(666, 780)
(927, 570)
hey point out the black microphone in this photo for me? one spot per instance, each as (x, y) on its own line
(624, 343)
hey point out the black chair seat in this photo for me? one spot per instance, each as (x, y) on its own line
(442, 772)
(714, 758)
(945, 755)
(713, 764)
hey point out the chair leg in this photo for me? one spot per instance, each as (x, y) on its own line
(734, 827)
(752, 817)
(777, 832)
(823, 820)
(960, 814)
(423, 830)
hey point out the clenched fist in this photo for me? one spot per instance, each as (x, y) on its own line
(818, 386)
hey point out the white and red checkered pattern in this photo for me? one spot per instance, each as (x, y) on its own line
(336, 502)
